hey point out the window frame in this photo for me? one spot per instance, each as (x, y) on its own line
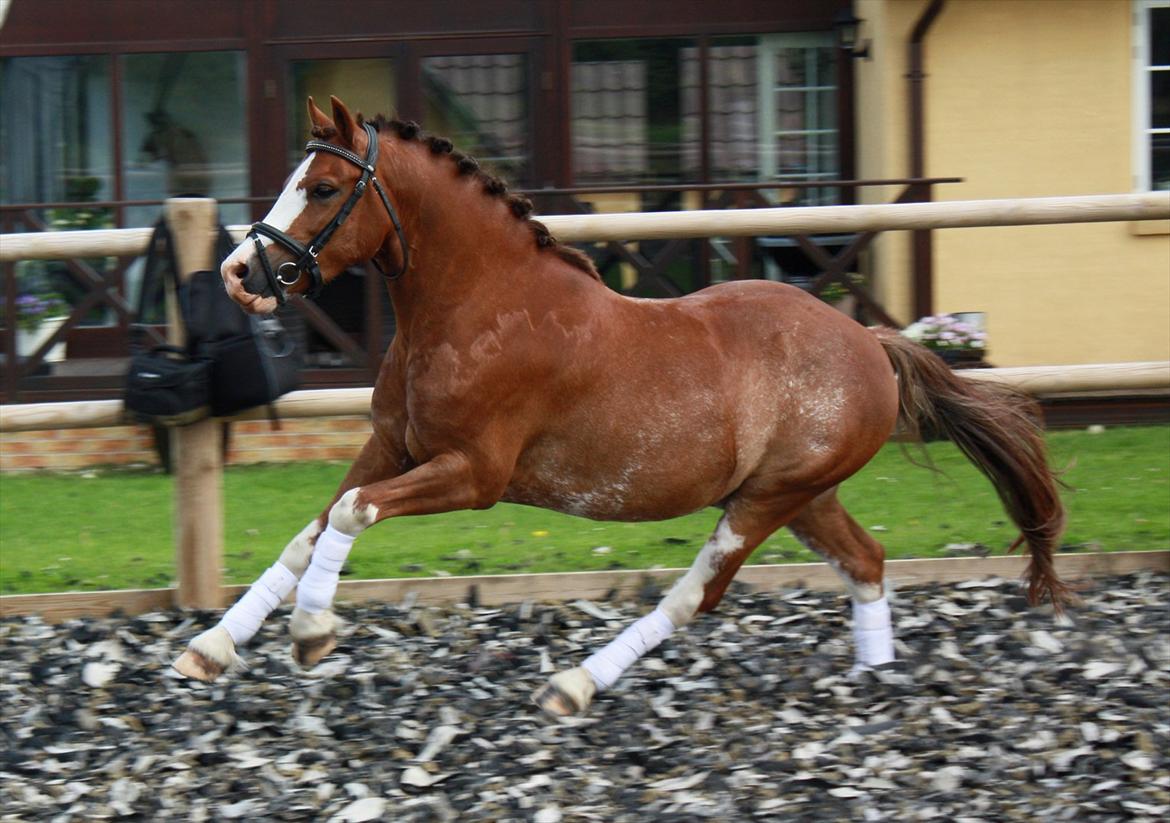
(769, 46)
(1143, 130)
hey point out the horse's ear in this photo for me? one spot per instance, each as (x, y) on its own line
(346, 127)
(318, 118)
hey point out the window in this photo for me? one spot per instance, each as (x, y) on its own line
(798, 110)
(771, 102)
(56, 145)
(1152, 94)
(55, 129)
(632, 101)
(480, 102)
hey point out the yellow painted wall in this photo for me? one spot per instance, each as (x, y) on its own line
(1023, 101)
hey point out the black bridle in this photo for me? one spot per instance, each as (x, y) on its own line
(289, 272)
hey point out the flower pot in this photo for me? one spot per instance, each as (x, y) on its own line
(962, 358)
(28, 341)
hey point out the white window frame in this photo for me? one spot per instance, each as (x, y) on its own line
(769, 45)
(1142, 71)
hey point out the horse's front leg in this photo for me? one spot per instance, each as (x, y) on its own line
(214, 651)
(445, 483)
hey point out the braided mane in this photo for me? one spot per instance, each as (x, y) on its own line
(493, 186)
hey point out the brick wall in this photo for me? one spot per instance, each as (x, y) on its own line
(253, 441)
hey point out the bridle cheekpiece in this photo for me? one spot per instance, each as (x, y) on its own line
(289, 273)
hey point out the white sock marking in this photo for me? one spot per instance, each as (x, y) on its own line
(349, 518)
(685, 596)
(297, 553)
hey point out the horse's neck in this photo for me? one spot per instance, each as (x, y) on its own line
(468, 251)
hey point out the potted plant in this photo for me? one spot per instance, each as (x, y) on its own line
(959, 343)
(38, 316)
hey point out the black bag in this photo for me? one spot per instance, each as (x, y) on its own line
(254, 360)
(233, 361)
(167, 387)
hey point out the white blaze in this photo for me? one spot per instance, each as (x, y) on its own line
(284, 211)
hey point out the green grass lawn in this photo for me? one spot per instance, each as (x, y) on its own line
(112, 528)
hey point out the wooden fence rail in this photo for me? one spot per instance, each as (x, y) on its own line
(1034, 380)
(1030, 211)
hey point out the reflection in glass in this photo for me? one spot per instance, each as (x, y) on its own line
(366, 85)
(56, 145)
(55, 136)
(773, 108)
(632, 101)
(184, 130)
(481, 103)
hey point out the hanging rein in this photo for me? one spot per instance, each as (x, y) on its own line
(289, 272)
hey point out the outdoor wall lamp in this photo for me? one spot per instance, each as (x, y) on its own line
(848, 27)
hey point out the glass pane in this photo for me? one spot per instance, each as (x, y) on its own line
(632, 104)
(366, 86)
(791, 65)
(1159, 99)
(65, 103)
(1160, 162)
(481, 103)
(56, 144)
(1160, 37)
(773, 105)
(733, 104)
(184, 130)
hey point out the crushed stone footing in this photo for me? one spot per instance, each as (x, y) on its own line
(993, 711)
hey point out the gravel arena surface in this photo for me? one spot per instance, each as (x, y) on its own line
(994, 712)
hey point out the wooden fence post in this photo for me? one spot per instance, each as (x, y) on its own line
(196, 449)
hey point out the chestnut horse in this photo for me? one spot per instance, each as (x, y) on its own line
(516, 375)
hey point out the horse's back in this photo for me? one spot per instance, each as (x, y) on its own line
(678, 403)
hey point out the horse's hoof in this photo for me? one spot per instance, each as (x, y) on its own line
(309, 651)
(567, 693)
(208, 656)
(194, 665)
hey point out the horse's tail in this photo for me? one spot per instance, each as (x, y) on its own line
(999, 430)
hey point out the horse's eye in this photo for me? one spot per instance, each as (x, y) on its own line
(323, 191)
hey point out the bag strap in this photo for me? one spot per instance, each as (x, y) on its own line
(160, 252)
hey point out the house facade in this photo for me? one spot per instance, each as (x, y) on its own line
(1029, 98)
(108, 108)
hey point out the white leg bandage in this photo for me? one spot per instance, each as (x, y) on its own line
(315, 593)
(243, 620)
(872, 634)
(607, 665)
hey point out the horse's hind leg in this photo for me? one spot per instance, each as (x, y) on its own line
(743, 527)
(826, 528)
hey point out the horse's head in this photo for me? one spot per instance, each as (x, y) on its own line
(321, 223)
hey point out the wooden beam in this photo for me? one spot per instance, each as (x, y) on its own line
(1030, 211)
(1035, 380)
(494, 590)
(197, 448)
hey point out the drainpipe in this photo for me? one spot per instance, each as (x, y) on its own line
(921, 242)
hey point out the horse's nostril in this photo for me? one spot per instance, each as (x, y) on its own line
(236, 270)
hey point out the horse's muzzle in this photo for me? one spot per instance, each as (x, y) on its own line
(247, 286)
